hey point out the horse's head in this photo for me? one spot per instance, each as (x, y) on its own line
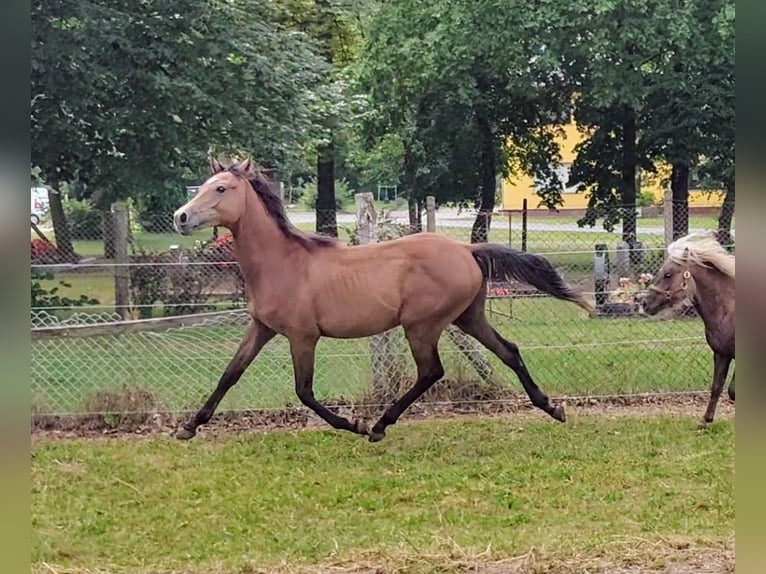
(220, 201)
(673, 284)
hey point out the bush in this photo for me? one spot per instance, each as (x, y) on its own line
(83, 219)
(155, 211)
(343, 194)
(183, 290)
(646, 199)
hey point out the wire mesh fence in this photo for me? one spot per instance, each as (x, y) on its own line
(148, 321)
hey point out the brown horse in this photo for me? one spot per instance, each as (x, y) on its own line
(307, 286)
(697, 267)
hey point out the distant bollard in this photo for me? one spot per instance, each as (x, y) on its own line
(600, 273)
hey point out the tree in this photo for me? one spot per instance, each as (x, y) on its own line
(132, 96)
(455, 81)
(691, 104)
(641, 69)
(335, 26)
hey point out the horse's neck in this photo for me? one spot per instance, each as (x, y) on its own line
(262, 248)
(714, 292)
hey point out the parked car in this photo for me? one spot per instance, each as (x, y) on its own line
(39, 203)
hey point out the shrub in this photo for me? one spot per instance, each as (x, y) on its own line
(343, 194)
(44, 252)
(646, 199)
(158, 277)
(155, 212)
(84, 220)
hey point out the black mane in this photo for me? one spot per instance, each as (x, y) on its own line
(276, 210)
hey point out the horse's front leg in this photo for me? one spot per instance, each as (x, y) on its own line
(256, 336)
(720, 370)
(303, 352)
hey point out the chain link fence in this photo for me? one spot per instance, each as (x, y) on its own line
(132, 317)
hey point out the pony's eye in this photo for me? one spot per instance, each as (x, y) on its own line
(668, 275)
(220, 189)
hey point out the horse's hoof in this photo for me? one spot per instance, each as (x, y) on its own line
(559, 414)
(360, 427)
(376, 436)
(703, 425)
(185, 434)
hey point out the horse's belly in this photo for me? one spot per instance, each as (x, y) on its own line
(351, 323)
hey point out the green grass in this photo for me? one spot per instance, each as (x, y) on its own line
(430, 493)
(566, 352)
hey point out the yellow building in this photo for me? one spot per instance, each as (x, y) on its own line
(518, 188)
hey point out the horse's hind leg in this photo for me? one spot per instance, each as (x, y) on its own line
(720, 370)
(303, 353)
(424, 343)
(474, 323)
(256, 336)
(731, 387)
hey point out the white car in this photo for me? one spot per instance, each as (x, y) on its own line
(39, 203)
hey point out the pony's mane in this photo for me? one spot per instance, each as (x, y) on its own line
(276, 210)
(702, 249)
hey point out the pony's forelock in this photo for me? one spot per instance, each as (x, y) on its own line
(701, 248)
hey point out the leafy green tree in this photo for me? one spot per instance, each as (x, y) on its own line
(131, 96)
(456, 82)
(644, 72)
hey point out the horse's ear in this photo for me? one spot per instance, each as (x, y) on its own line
(245, 165)
(215, 166)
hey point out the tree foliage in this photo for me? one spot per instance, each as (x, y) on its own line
(130, 97)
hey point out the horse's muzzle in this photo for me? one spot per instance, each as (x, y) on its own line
(182, 223)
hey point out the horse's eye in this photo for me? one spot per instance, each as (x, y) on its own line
(220, 189)
(668, 275)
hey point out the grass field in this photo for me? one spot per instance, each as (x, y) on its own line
(594, 495)
(566, 351)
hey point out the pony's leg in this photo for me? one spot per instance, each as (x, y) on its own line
(425, 351)
(731, 387)
(256, 336)
(474, 323)
(720, 370)
(303, 352)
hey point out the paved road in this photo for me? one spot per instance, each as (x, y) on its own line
(452, 219)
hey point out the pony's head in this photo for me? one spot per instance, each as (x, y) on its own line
(220, 201)
(675, 279)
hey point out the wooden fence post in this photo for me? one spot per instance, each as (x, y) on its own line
(430, 214)
(121, 270)
(386, 349)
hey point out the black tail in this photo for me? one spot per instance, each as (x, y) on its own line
(504, 263)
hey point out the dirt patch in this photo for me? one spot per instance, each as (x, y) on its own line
(632, 556)
(46, 427)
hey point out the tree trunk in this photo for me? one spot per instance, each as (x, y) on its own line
(726, 216)
(488, 183)
(628, 183)
(60, 226)
(679, 186)
(326, 217)
(408, 188)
